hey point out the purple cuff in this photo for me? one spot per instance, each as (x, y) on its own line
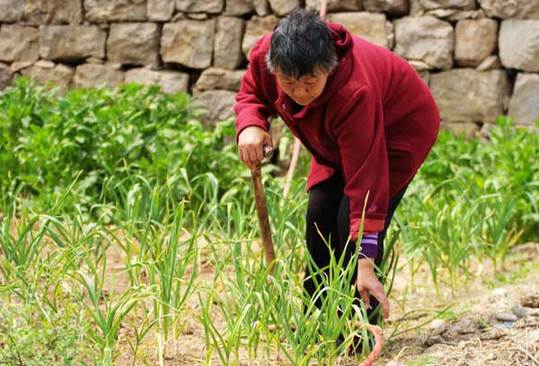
(369, 245)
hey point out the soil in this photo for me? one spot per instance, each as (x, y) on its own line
(491, 320)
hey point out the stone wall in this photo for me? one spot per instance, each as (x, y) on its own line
(479, 57)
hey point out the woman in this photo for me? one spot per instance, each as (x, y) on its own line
(364, 114)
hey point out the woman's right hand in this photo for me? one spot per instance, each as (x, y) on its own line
(251, 143)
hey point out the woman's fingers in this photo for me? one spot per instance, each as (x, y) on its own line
(380, 295)
(365, 297)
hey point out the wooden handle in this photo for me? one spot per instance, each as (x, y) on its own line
(263, 219)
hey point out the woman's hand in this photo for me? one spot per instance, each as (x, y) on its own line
(251, 143)
(369, 285)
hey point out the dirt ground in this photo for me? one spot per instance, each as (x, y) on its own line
(493, 320)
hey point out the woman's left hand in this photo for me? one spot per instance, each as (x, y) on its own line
(369, 285)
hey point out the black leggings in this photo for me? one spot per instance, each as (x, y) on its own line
(328, 210)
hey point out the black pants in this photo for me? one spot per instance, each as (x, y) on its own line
(328, 210)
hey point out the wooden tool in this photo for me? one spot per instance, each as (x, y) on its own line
(262, 212)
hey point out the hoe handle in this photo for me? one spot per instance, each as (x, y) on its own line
(262, 213)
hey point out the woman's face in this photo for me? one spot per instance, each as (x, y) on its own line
(305, 89)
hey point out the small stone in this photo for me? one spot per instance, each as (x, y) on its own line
(465, 326)
(492, 334)
(490, 63)
(506, 317)
(432, 340)
(438, 326)
(20, 65)
(530, 301)
(519, 311)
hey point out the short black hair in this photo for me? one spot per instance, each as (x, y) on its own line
(299, 43)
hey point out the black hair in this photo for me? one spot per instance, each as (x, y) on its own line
(299, 43)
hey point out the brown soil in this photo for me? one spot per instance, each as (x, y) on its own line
(469, 333)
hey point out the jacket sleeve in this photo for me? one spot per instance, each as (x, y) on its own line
(251, 107)
(360, 135)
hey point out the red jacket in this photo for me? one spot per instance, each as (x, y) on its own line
(375, 122)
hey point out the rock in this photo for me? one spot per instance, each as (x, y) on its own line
(530, 300)
(188, 42)
(464, 326)
(337, 5)
(467, 130)
(492, 335)
(419, 65)
(215, 78)
(391, 7)
(198, 6)
(59, 75)
(227, 46)
(11, 10)
(5, 76)
(95, 76)
(437, 326)
(283, 7)
(101, 11)
(518, 310)
(133, 43)
(506, 317)
(425, 39)
(522, 9)
(239, 7)
(257, 27)
(475, 40)
(160, 10)
(171, 82)
(524, 105)
(490, 63)
(444, 4)
(197, 16)
(214, 105)
(432, 340)
(37, 12)
(370, 26)
(18, 43)
(467, 95)
(71, 43)
(262, 7)
(20, 65)
(519, 44)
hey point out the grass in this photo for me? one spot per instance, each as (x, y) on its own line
(131, 170)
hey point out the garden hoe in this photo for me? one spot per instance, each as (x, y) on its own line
(262, 212)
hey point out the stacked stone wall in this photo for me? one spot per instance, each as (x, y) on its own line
(479, 57)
